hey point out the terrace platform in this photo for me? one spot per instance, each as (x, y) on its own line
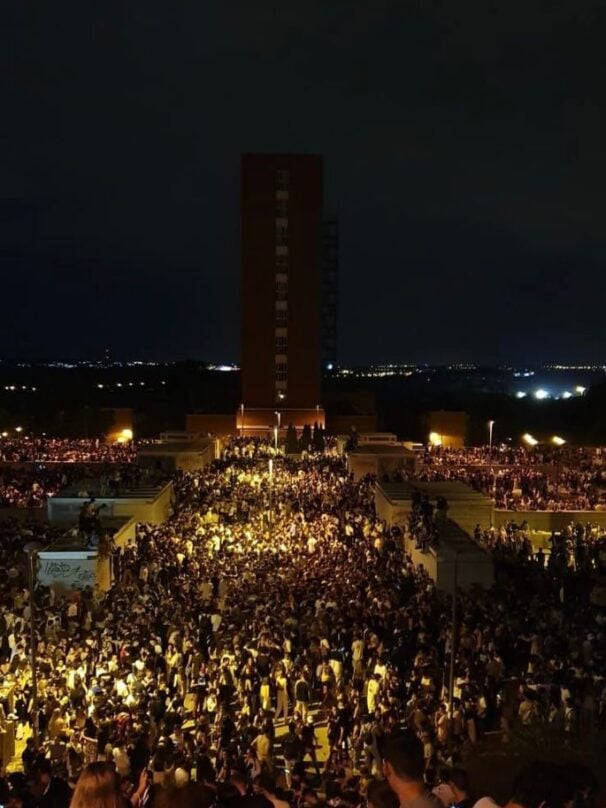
(148, 502)
(457, 555)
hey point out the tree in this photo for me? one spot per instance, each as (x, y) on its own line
(306, 438)
(292, 446)
(318, 438)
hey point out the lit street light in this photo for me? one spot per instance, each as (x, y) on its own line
(241, 420)
(32, 548)
(271, 491)
(490, 426)
(453, 634)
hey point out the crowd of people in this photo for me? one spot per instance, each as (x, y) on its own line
(558, 479)
(273, 644)
(506, 455)
(30, 486)
(66, 450)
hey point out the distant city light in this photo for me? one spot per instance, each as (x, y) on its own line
(541, 394)
(580, 389)
(558, 440)
(435, 439)
(520, 394)
(566, 394)
(329, 366)
(18, 429)
(223, 368)
(100, 386)
(529, 439)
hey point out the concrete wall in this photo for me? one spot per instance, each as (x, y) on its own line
(361, 465)
(392, 513)
(65, 571)
(468, 514)
(473, 569)
(549, 520)
(429, 561)
(156, 511)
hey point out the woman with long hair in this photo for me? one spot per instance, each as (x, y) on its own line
(98, 787)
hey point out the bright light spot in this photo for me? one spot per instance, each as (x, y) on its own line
(566, 394)
(558, 440)
(528, 438)
(118, 384)
(18, 429)
(100, 386)
(329, 366)
(5, 434)
(541, 394)
(580, 389)
(520, 394)
(435, 439)
(127, 434)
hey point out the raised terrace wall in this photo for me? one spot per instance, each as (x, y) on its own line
(154, 508)
(549, 520)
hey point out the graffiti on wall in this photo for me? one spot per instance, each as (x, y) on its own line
(71, 573)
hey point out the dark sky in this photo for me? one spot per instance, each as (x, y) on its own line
(465, 155)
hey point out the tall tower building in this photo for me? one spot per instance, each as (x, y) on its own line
(282, 285)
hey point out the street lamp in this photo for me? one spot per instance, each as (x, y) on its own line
(271, 490)
(276, 438)
(490, 426)
(241, 420)
(453, 636)
(32, 548)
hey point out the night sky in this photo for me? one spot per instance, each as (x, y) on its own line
(465, 156)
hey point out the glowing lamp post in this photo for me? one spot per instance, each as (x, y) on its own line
(490, 428)
(271, 491)
(32, 548)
